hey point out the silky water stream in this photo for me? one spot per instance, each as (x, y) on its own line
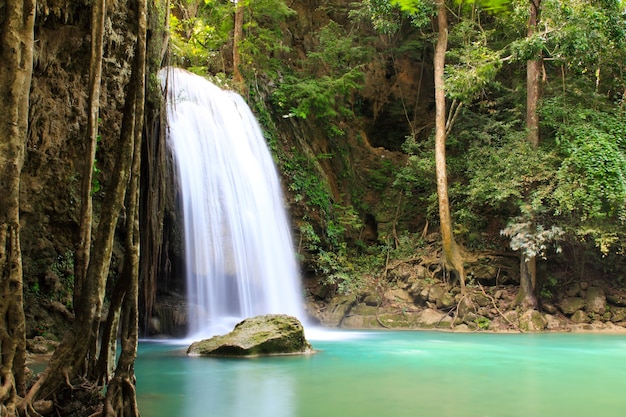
(240, 263)
(396, 374)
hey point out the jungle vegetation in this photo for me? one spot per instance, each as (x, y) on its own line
(526, 146)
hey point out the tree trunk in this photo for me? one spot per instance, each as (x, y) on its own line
(237, 36)
(527, 296)
(98, 13)
(154, 173)
(453, 261)
(533, 72)
(16, 54)
(76, 356)
(121, 399)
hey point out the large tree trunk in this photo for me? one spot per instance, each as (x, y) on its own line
(154, 172)
(453, 261)
(237, 36)
(98, 13)
(76, 356)
(16, 57)
(527, 296)
(121, 395)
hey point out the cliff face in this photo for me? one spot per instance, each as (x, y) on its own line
(356, 168)
(54, 162)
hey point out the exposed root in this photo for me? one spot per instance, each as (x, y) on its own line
(493, 301)
(378, 318)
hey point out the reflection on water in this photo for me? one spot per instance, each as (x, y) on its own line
(239, 388)
(395, 374)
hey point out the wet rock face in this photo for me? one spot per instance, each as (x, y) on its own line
(271, 334)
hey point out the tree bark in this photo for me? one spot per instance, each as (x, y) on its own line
(453, 261)
(121, 397)
(533, 72)
(237, 36)
(76, 356)
(527, 296)
(98, 14)
(16, 54)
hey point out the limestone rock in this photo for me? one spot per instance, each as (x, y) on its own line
(465, 307)
(431, 318)
(398, 294)
(596, 300)
(435, 293)
(549, 308)
(573, 290)
(271, 334)
(336, 311)
(40, 344)
(572, 304)
(618, 300)
(363, 309)
(618, 314)
(371, 300)
(552, 322)
(532, 321)
(580, 317)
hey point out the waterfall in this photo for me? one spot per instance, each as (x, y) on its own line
(240, 260)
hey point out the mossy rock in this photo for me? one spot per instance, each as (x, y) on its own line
(572, 304)
(532, 321)
(271, 334)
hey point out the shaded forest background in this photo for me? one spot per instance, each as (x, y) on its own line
(346, 95)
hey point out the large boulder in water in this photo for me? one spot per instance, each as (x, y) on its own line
(271, 334)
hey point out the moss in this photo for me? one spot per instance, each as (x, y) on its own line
(261, 335)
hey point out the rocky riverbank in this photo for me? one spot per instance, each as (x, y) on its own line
(413, 299)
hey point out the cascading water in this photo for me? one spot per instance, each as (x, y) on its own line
(240, 259)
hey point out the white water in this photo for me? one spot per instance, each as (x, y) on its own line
(239, 255)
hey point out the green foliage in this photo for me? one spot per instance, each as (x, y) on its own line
(386, 17)
(530, 238)
(548, 287)
(482, 323)
(416, 179)
(262, 45)
(382, 177)
(330, 77)
(334, 266)
(34, 288)
(63, 268)
(473, 64)
(587, 32)
(305, 181)
(591, 181)
(503, 169)
(198, 30)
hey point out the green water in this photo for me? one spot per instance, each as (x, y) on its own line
(396, 374)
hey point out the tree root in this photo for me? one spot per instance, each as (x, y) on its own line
(378, 318)
(493, 302)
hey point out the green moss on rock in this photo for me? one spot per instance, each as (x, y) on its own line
(271, 334)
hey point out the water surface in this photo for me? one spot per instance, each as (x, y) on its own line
(363, 374)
